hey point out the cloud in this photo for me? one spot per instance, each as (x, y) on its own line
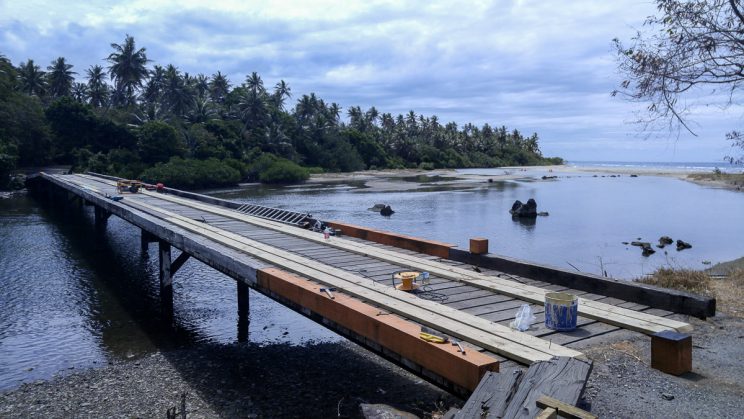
(536, 66)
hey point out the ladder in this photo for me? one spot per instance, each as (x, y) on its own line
(275, 214)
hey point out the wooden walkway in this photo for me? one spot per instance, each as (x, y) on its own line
(291, 265)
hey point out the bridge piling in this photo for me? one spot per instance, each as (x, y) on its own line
(166, 279)
(145, 239)
(243, 311)
(101, 216)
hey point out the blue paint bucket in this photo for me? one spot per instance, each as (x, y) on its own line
(561, 311)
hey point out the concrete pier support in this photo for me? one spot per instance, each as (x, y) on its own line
(243, 311)
(166, 279)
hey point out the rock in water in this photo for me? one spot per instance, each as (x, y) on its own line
(528, 210)
(682, 245)
(647, 251)
(377, 207)
(665, 240)
(387, 211)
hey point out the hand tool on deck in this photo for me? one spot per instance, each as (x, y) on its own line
(434, 336)
(459, 346)
(328, 291)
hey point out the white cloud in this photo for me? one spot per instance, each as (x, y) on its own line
(532, 65)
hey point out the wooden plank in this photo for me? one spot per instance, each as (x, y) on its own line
(625, 318)
(492, 396)
(560, 378)
(565, 410)
(677, 301)
(498, 338)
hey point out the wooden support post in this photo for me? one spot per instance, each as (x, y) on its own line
(243, 311)
(101, 216)
(166, 280)
(180, 260)
(145, 239)
(478, 246)
(671, 352)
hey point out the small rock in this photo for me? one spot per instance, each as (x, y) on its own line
(682, 245)
(633, 175)
(665, 240)
(387, 211)
(667, 396)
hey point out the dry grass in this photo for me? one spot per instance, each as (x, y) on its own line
(729, 291)
(697, 282)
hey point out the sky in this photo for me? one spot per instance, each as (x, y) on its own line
(537, 66)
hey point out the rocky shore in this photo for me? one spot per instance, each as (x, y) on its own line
(235, 381)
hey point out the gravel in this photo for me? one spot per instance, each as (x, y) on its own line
(623, 384)
(235, 381)
(333, 379)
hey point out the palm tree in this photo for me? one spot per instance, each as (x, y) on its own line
(219, 87)
(153, 90)
(202, 110)
(127, 69)
(79, 92)
(98, 90)
(177, 94)
(255, 84)
(334, 111)
(32, 80)
(200, 84)
(60, 78)
(281, 92)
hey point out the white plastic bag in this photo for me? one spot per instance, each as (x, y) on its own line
(523, 319)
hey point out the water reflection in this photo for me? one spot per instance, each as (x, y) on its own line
(75, 296)
(527, 222)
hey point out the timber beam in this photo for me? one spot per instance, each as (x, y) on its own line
(387, 330)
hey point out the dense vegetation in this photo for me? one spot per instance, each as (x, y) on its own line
(160, 124)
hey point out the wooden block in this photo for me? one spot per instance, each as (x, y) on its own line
(478, 246)
(671, 352)
(548, 413)
(391, 332)
(564, 409)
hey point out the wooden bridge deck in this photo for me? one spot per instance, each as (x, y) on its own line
(152, 210)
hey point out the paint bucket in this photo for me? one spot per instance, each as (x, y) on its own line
(561, 311)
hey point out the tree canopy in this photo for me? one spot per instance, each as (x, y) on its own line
(692, 44)
(155, 119)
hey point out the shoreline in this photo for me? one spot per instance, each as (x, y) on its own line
(234, 380)
(398, 180)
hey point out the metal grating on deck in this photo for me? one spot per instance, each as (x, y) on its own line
(275, 214)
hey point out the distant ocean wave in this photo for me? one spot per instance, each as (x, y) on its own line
(677, 166)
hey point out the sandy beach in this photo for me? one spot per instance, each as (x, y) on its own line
(405, 179)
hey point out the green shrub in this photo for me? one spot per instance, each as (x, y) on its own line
(284, 171)
(192, 174)
(315, 170)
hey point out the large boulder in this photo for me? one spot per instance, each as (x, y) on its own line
(528, 210)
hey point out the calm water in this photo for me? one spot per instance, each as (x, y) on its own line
(589, 217)
(73, 298)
